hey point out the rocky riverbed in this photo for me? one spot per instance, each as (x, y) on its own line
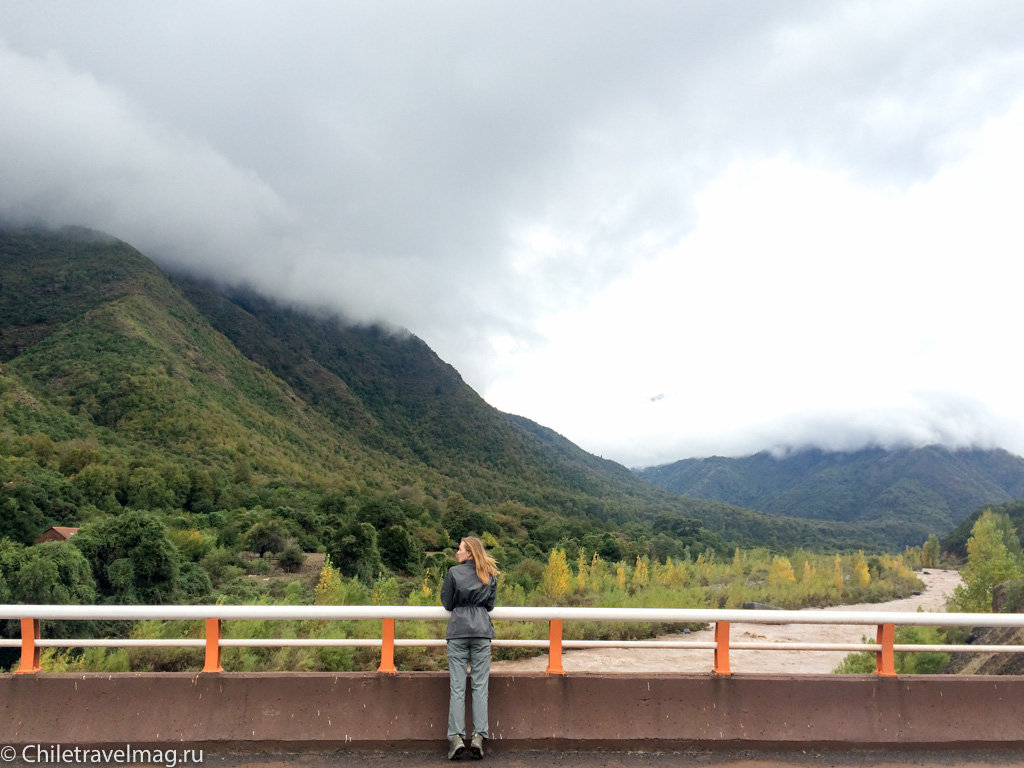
(939, 585)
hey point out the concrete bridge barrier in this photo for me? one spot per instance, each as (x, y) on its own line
(316, 711)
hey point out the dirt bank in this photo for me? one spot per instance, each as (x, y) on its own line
(939, 585)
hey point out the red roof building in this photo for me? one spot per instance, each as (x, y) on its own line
(57, 533)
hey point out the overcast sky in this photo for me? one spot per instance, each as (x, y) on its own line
(663, 229)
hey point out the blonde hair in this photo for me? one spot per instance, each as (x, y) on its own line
(485, 565)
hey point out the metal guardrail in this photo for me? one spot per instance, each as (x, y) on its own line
(885, 623)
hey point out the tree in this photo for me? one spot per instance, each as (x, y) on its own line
(609, 548)
(809, 573)
(53, 573)
(739, 565)
(1005, 527)
(582, 569)
(194, 582)
(989, 563)
(460, 519)
(930, 552)
(597, 570)
(266, 536)
(99, 485)
(328, 586)
(147, 489)
(556, 581)
(292, 558)
(354, 551)
(641, 572)
(399, 550)
(781, 570)
(380, 513)
(861, 574)
(202, 492)
(132, 559)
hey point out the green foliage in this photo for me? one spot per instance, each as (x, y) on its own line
(51, 573)
(354, 551)
(400, 550)
(989, 562)
(956, 542)
(264, 537)
(930, 552)
(222, 566)
(292, 558)
(132, 559)
(33, 498)
(905, 662)
(194, 583)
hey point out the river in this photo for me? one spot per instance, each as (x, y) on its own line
(939, 585)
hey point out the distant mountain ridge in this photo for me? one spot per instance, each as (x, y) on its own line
(932, 488)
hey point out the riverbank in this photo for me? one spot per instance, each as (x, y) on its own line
(939, 585)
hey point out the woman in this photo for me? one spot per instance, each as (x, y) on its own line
(469, 591)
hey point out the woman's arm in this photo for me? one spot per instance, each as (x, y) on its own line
(448, 591)
(492, 594)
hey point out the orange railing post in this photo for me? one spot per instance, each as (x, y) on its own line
(885, 659)
(29, 650)
(722, 648)
(212, 646)
(387, 648)
(555, 648)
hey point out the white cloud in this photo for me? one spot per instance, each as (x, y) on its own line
(805, 308)
(77, 150)
(757, 210)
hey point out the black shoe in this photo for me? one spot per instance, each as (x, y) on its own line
(476, 746)
(456, 746)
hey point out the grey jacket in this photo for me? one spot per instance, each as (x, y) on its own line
(469, 600)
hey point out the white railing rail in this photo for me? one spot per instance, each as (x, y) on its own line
(213, 615)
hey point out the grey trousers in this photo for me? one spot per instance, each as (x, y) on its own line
(476, 653)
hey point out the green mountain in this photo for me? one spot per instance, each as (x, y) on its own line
(389, 392)
(244, 422)
(907, 493)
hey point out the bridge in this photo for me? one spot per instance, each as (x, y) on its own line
(341, 712)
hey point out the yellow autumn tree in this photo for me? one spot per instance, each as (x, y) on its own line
(582, 570)
(641, 572)
(861, 574)
(739, 564)
(837, 575)
(781, 570)
(596, 573)
(328, 587)
(557, 579)
(808, 576)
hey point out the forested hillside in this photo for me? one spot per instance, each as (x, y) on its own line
(907, 493)
(162, 415)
